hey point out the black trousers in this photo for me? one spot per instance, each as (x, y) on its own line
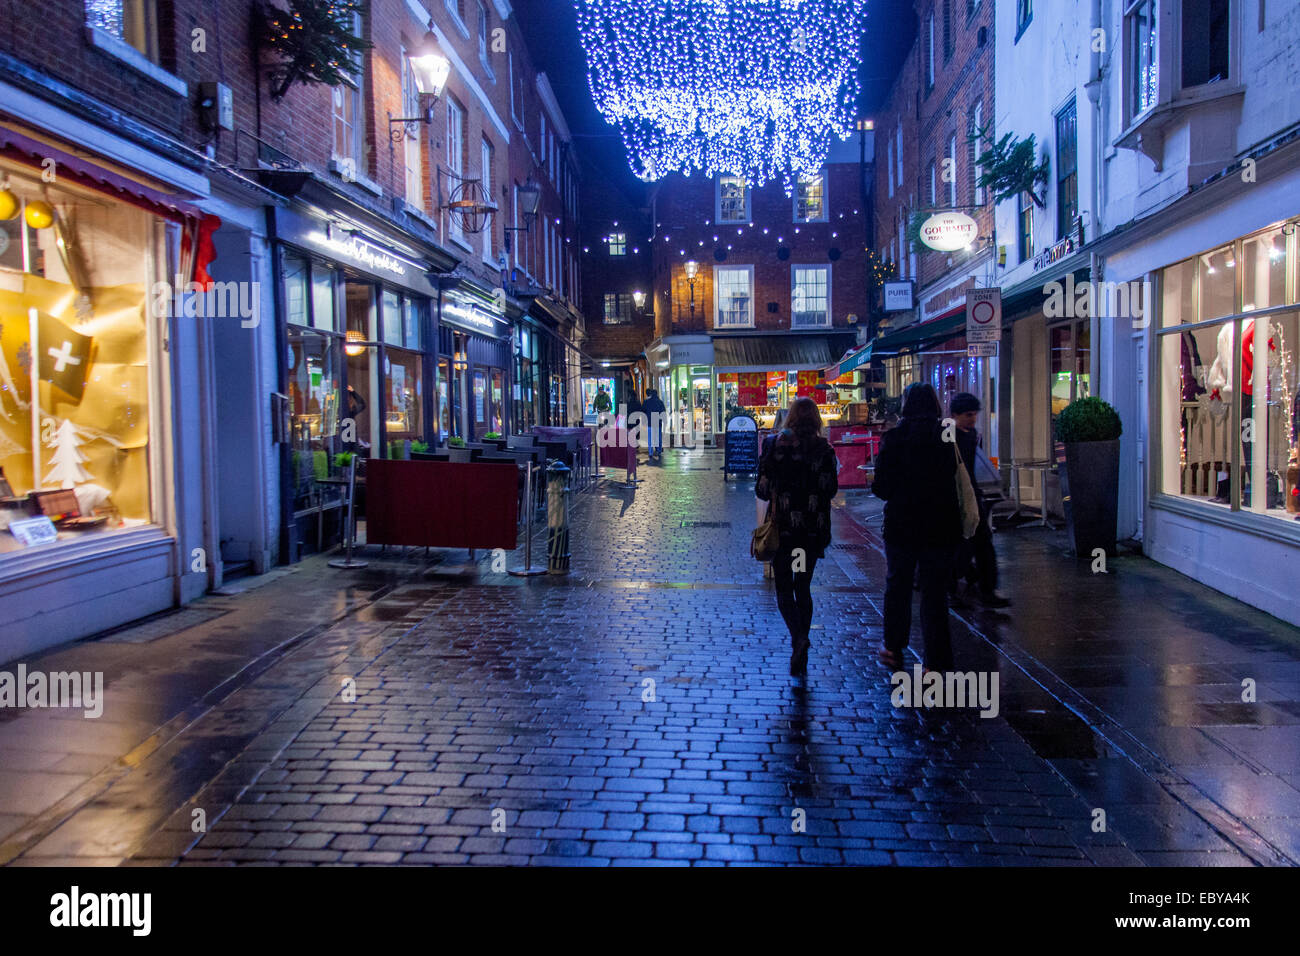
(903, 559)
(794, 592)
(977, 562)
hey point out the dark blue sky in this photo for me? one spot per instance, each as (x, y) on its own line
(552, 31)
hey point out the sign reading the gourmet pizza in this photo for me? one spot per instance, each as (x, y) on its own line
(949, 231)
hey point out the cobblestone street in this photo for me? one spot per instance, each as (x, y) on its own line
(639, 711)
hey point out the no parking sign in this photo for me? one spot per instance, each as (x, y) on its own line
(983, 315)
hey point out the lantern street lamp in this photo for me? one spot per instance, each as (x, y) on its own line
(638, 298)
(528, 196)
(692, 270)
(430, 70)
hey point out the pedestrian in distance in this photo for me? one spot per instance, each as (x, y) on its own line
(655, 414)
(635, 426)
(777, 424)
(797, 475)
(916, 476)
(977, 561)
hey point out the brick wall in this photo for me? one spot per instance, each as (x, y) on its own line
(928, 117)
(684, 212)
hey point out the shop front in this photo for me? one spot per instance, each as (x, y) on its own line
(1212, 432)
(681, 369)
(93, 532)
(357, 313)
(474, 355)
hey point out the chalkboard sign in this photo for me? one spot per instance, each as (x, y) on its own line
(741, 450)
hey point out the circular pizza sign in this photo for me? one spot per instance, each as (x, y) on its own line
(949, 231)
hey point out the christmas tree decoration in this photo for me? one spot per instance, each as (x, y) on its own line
(750, 87)
(313, 41)
(39, 215)
(65, 464)
(9, 204)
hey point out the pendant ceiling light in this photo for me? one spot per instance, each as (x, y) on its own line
(751, 87)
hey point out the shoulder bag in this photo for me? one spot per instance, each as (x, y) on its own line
(967, 503)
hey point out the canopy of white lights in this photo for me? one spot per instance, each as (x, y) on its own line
(751, 87)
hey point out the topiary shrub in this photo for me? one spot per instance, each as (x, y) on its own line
(456, 442)
(1088, 419)
(492, 436)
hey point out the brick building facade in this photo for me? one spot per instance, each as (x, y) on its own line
(348, 309)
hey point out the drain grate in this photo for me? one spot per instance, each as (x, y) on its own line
(162, 626)
(706, 524)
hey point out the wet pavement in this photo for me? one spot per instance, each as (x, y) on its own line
(638, 710)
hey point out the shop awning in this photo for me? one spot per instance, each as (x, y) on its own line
(775, 353)
(33, 152)
(921, 335)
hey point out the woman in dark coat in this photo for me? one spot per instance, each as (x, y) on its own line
(916, 474)
(797, 474)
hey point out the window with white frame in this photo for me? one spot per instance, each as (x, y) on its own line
(733, 292)
(902, 244)
(349, 126)
(1140, 56)
(929, 52)
(489, 187)
(976, 148)
(1206, 47)
(934, 193)
(617, 243)
(411, 152)
(732, 199)
(952, 171)
(810, 198)
(457, 9)
(810, 298)
(898, 153)
(516, 96)
(889, 164)
(482, 33)
(455, 156)
(132, 21)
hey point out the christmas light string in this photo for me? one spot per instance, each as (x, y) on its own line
(751, 87)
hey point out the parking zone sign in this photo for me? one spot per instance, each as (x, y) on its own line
(983, 315)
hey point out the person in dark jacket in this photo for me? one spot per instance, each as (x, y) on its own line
(798, 475)
(977, 562)
(655, 414)
(916, 475)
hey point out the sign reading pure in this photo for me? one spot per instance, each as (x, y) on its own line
(949, 231)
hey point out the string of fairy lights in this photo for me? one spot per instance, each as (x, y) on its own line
(751, 87)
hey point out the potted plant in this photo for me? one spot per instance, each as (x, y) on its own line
(420, 447)
(492, 436)
(1089, 428)
(455, 442)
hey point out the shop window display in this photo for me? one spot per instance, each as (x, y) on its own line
(75, 359)
(1230, 389)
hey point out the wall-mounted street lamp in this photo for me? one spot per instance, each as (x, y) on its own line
(529, 195)
(430, 70)
(638, 298)
(692, 270)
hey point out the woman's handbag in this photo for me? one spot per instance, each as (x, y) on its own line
(967, 503)
(766, 540)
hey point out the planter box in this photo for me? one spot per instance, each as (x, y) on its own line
(1090, 495)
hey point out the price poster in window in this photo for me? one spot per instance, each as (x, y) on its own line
(753, 388)
(809, 384)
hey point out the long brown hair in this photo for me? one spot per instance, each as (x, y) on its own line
(803, 418)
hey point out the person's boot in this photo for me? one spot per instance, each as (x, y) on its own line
(799, 656)
(992, 599)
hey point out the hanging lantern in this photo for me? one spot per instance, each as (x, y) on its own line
(40, 215)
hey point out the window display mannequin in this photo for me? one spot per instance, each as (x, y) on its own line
(1221, 385)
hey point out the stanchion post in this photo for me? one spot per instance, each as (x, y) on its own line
(349, 531)
(528, 571)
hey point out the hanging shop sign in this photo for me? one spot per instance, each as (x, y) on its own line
(983, 316)
(949, 231)
(899, 296)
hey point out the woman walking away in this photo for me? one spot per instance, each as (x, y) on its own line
(797, 474)
(777, 424)
(916, 475)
